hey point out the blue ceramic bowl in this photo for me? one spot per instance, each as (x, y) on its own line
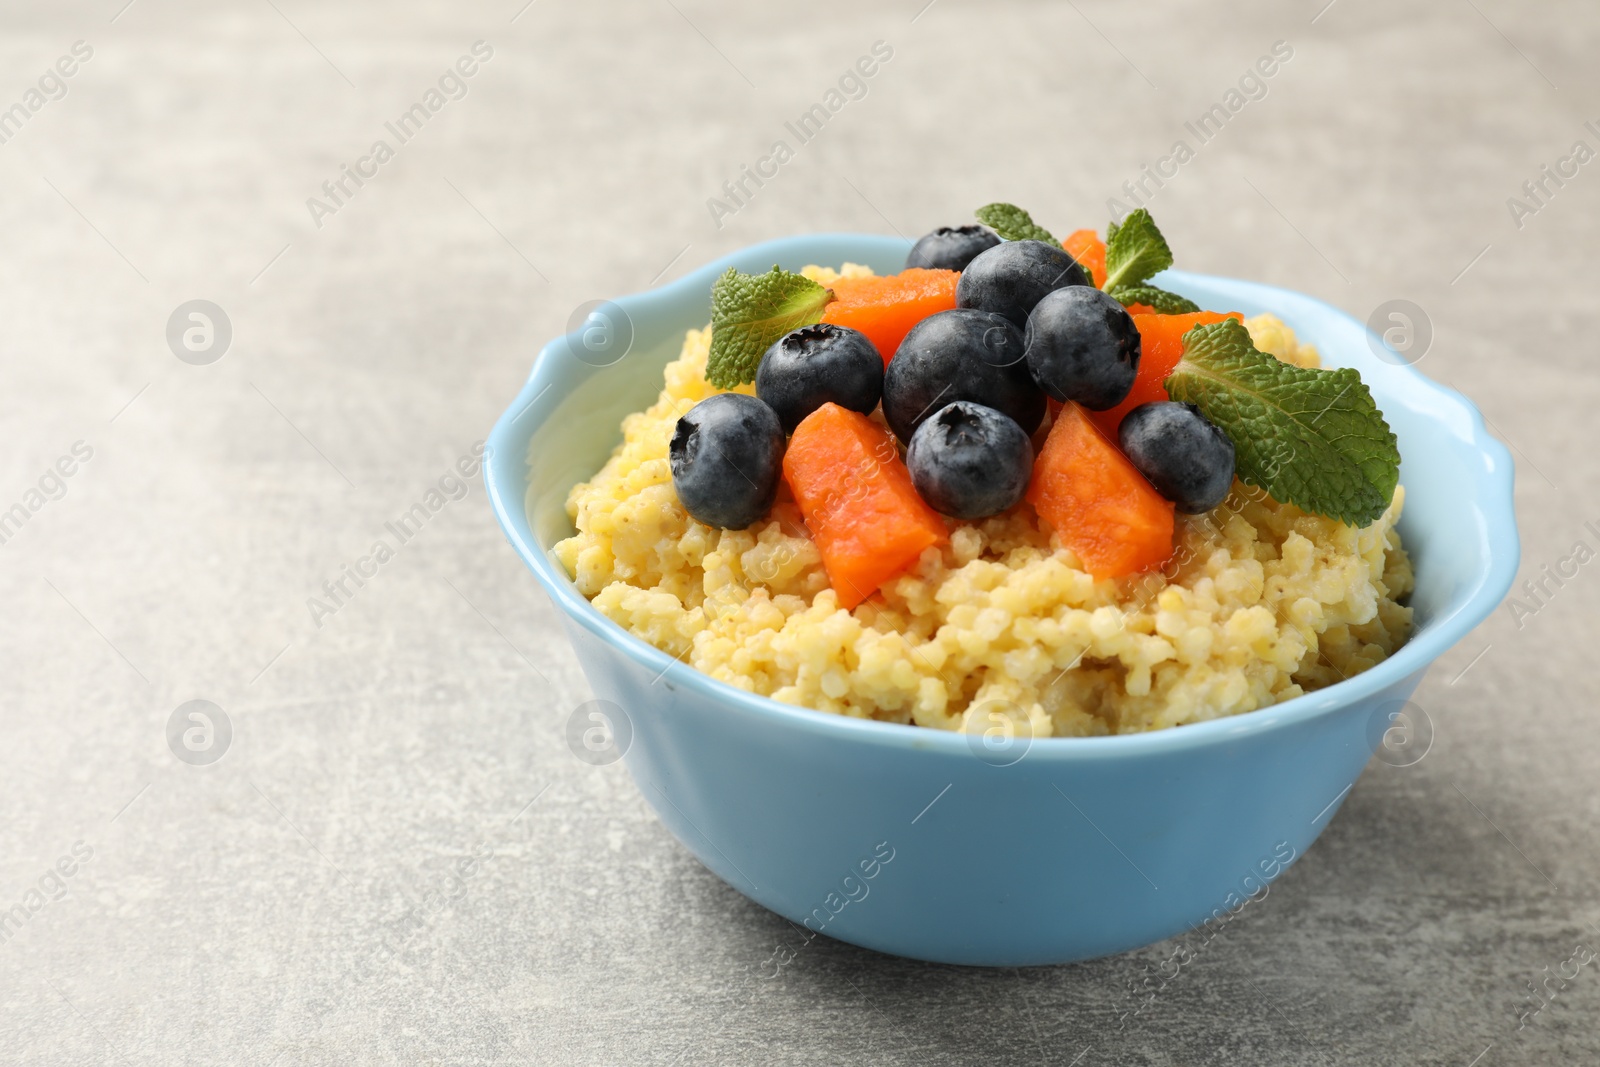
(916, 842)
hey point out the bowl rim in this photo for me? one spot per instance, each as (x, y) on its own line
(507, 445)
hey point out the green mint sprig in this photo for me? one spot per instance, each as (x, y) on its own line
(1164, 302)
(749, 312)
(1135, 251)
(1013, 224)
(1313, 438)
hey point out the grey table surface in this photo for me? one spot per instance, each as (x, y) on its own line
(216, 913)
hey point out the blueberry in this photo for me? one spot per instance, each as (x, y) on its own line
(726, 455)
(1082, 345)
(960, 355)
(970, 461)
(1013, 276)
(951, 247)
(809, 367)
(1187, 459)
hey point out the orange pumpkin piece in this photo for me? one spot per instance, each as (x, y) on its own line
(1090, 252)
(1160, 348)
(1100, 506)
(885, 307)
(858, 501)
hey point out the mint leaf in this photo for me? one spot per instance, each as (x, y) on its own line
(1134, 251)
(749, 312)
(1013, 223)
(1313, 438)
(1164, 302)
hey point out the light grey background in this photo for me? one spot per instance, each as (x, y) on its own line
(234, 913)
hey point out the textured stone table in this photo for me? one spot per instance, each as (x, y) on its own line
(396, 772)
